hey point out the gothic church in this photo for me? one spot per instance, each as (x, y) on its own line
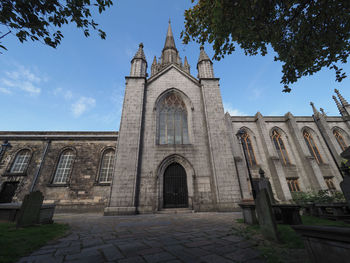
(176, 148)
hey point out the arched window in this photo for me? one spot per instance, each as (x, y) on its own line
(21, 162)
(340, 140)
(64, 167)
(172, 120)
(281, 149)
(248, 148)
(312, 147)
(107, 166)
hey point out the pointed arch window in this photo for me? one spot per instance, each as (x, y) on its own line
(107, 166)
(248, 148)
(64, 167)
(21, 162)
(312, 147)
(340, 139)
(281, 149)
(172, 120)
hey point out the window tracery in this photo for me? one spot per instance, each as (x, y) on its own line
(279, 145)
(248, 148)
(172, 120)
(340, 139)
(312, 147)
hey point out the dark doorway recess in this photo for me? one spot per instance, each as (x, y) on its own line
(175, 187)
(8, 191)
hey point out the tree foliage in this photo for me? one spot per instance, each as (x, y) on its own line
(38, 20)
(307, 35)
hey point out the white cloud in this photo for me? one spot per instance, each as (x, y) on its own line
(233, 112)
(4, 90)
(82, 105)
(22, 79)
(66, 94)
(116, 99)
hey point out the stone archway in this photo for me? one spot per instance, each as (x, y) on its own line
(188, 175)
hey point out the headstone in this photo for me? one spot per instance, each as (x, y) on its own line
(264, 183)
(345, 187)
(265, 216)
(29, 213)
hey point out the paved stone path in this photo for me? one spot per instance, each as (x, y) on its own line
(192, 237)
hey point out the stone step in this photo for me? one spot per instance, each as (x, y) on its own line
(175, 211)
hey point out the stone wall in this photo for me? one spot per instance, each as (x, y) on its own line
(82, 192)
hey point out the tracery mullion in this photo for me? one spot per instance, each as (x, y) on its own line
(280, 149)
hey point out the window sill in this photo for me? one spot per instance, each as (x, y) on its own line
(14, 174)
(102, 184)
(57, 185)
(174, 145)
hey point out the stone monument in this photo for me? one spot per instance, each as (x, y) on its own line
(265, 215)
(29, 214)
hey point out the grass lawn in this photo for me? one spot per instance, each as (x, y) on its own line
(17, 243)
(291, 245)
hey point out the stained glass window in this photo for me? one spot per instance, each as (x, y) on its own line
(281, 149)
(172, 120)
(312, 147)
(107, 166)
(248, 148)
(21, 162)
(340, 140)
(64, 167)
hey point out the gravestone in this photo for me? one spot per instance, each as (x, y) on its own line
(345, 184)
(264, 183)
(265, 216)
(29, 213)
(345, 187)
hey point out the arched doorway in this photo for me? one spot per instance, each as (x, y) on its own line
(175, 187)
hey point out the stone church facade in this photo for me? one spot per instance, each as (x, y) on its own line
(176, 148)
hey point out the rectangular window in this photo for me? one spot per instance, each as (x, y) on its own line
(330, 184)
(293, 185)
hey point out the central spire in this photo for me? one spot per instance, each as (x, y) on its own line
(169, 41)
(170, 55)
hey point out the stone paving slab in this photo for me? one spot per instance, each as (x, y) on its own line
(195, 237)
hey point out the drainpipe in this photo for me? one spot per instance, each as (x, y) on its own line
(3, 148)
(41, 164)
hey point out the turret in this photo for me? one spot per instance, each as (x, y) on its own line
(204, 65)
(154, 67)
(344, 108)
(316, 112)
(139, 63)
(340, 108)
(186, 66)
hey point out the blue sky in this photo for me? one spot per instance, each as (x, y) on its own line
(80, 85)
